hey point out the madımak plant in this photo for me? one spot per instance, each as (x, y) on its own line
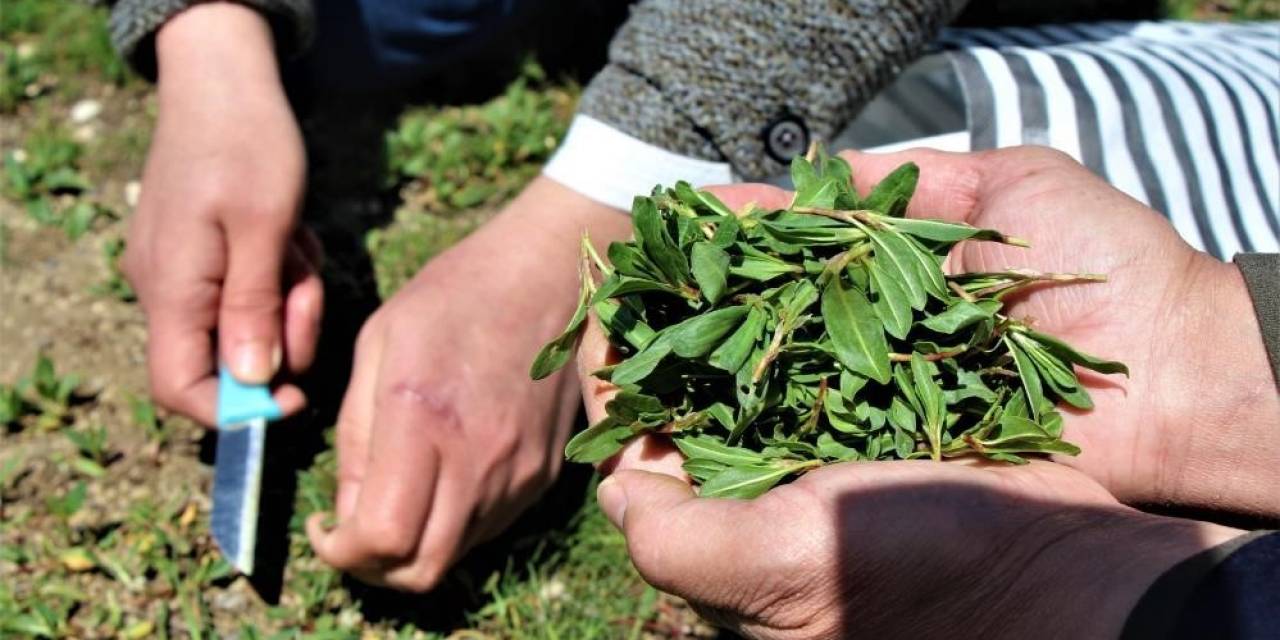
(770, 342)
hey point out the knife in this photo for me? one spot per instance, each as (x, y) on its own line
(243, 413)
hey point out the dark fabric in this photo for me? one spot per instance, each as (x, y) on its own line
(134, 23)
(1229, 591)
(711, 79)
(379, 45)
(1261, 273)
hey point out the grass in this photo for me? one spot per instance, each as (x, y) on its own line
(103, 511)
(53, 47)
(104, 527)
(44, 174)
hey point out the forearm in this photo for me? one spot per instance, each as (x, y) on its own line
(135, 23)
(218, 40)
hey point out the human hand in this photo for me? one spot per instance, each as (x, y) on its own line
(1194, 424)
(917, 549)
(442, 438)
(212, 247)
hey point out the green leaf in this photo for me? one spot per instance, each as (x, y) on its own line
(1030, 378)
(901, 416)
(891, 196)
(640, 365)
(701, 199)
(628, 260)
(928, 268)
(709, 448)
(710, 270)
(856, 332)
(1055, 373)
(820, 193)
(796, 298)
(899, 263)
(701, 469)
(961, 314)
(619, 285)
(556, 353)
(892, 303)
(722, 414)
(762, 267)
(599, 442)
(734, 351)
(832, 449)
(745, 481)
(1064, 351)
(851, 383)
(88, 467)
(655, 241)
(1018, 429)
(942, 231)
(803, 175)
(617, 320)
(931, 400)
(903, 444)
(700, 334)
(814, 234)
(727, 232)
(79, 219)
(629, 407)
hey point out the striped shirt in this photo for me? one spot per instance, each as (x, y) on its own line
(1180, 116)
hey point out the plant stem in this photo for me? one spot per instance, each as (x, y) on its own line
(928, 357)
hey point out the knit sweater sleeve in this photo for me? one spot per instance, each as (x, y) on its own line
(750, 83)
(134, 23)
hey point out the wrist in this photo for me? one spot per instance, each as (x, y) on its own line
(215, 44)
(1221, 397)
(1090, 570)
(549, 219)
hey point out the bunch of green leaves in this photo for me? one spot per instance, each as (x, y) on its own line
(770, 342)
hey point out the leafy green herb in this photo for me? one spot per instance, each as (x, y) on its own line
(767, 343)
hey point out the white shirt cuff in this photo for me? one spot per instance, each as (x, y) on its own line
(611, 167)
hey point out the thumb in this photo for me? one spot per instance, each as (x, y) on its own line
(250, 310)
(950, 184)
(679, 543)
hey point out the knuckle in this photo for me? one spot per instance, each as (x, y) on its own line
(369, 334)
(503, 444)
(1032, 157)
(427, 402)
(385, 539)
(164, 392)
(420, 579)
(254, 299)
(534, 471)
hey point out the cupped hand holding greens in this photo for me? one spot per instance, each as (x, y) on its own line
(768, 342)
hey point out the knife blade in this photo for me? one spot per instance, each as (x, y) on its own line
(243, 414)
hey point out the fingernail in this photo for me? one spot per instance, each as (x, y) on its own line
(613, 501)
(256, 362)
